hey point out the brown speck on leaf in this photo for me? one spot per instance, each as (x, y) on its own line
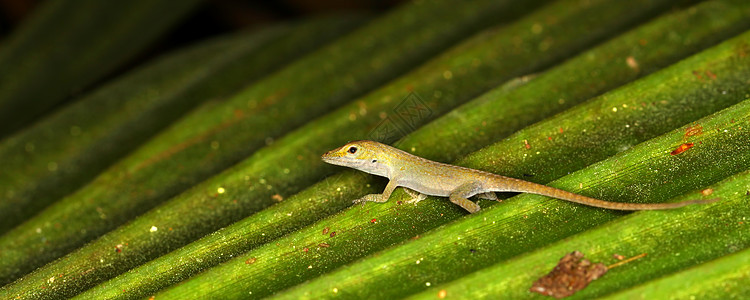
(442, 294)
(333, 234)
(632, 63)
(325, 230)
(324, 245)
(744, 49)
(618, 256)
(572, 274)
(622, 262)
(710, 75)
(707, 192)
(693, 130)
(526, 144)
(87, 271)
(305, 249)
(251, 261)
(152, 298)
(698, 75)
(277, 198)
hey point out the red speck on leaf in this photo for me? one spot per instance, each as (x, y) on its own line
(682, 148)
(698, 75)
(711, 74)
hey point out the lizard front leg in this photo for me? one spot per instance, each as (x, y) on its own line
(380, 198)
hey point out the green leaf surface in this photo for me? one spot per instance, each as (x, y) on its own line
(165, 195)
(218, 134)
(671, 240)
(722, 278)
(66, 150)
(520, 222)
(68, 45)
(335, 193)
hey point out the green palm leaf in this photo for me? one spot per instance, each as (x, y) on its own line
(229, 199)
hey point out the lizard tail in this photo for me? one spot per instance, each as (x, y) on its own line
(517, 185)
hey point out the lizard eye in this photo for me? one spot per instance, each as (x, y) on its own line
(352, 150)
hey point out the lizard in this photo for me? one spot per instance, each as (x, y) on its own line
(427, 177)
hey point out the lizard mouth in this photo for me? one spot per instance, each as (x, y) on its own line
(332, 159)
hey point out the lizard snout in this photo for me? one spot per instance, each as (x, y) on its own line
(332, 156)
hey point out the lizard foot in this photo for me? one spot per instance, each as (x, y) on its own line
(415, 196)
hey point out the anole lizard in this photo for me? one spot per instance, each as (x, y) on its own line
(457, 183)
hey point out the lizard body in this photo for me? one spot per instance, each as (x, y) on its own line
(457, 183)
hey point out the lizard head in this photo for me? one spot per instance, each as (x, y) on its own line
(368, 156)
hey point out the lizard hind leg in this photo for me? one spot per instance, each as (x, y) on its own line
(461, 194)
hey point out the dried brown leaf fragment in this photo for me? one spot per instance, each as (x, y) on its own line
(572, 274)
